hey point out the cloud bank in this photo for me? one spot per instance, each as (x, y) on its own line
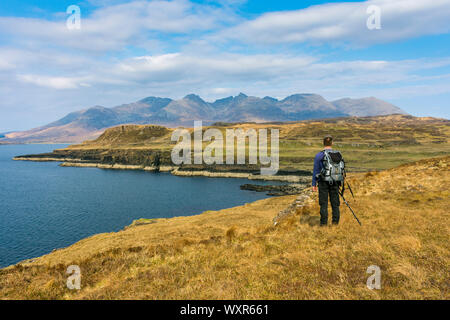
(125, 51)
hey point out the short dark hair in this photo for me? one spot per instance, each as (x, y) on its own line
(328, 141)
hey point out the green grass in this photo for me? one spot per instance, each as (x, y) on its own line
(372, 143)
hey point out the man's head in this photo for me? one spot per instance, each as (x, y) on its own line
(328, 141)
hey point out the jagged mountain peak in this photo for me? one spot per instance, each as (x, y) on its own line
(270, 99)
(194, 97)
(172, 113)
(303, 96)
(152, 99)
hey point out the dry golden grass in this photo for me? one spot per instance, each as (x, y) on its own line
(238, 254)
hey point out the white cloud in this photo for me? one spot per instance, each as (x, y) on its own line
(346, 23)
(140, 23)
(128, 50)
(5, 65)
(222, 91)
(116, 26)
(175, 74)
(170, 67)
(50, 82)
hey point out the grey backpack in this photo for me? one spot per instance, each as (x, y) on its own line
(333, 166)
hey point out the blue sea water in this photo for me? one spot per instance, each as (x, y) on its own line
(44, 206)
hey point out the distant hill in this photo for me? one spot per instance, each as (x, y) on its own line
(365, 107)
(369, 143)
(90, 123)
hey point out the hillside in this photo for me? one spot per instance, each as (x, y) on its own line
(89, 123)
(368, 143)
(237, 253)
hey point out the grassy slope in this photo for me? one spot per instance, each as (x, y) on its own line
(372, 143)
(237, 254)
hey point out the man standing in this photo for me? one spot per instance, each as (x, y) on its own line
(328, 188)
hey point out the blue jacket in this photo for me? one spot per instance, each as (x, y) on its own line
(318, 166)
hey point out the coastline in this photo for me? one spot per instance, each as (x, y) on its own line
(286, 257)
(169, 169)
(273, 205)
(174, 170)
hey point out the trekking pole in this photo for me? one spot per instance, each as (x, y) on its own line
(350, 208)
(350, 188)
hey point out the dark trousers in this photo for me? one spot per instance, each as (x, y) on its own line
(329, 191)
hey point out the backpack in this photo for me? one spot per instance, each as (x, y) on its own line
(333, 166)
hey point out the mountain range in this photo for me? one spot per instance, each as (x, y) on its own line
(90, 123)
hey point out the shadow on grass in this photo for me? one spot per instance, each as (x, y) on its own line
(310, 220)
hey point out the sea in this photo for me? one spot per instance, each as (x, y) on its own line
(44, 206)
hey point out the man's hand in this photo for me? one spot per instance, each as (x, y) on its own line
(314, 188)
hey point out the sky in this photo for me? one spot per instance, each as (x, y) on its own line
(123, 51)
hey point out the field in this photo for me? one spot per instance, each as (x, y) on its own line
(371, 143)
(238, 253)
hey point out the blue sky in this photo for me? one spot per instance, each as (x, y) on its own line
(127, 50)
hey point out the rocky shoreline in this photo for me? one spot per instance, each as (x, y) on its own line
(276, 190)
(156, 161)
